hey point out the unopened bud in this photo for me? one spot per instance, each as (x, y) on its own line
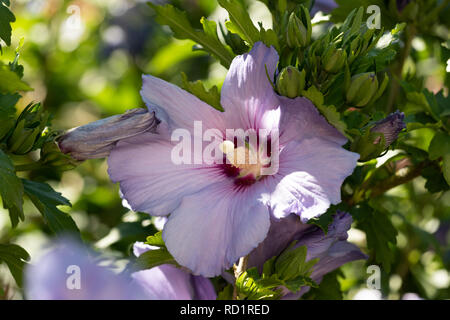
(291, 82)
(52, 156)
(299, 29)
(96, 139)
(379, 137)
(334, 59)
(362, 88)
(390, 127)
(29, 127)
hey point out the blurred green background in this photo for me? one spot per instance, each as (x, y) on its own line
(85, 59)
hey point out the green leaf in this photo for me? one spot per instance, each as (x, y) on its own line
(11, 82)
(380, 58)
(355, 25)
(15, 258)
(226, 293)
(439, 146)
(334, 118)
(345, 6)
(314, 95)
(240, 22)
(8, 101)
(249, 288)
(11, 189)
(435, 180)
(7, 114)
(6, 18)
(46, 200)
(439, 105)
(154, 258)
(290, 270)
(182, 29)
(269, 38)
(296, 284)
(197, 88)
(446, 168)
(329, 112)
(329, 288)
(269, 267)
(156, 240)
(170, 55)
(15, 66)
(380, 233)
(325, 219)
(292, 264)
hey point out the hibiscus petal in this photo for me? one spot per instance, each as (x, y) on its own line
(177, 107)
(281, 234)
(319, 243)
(247, 92)
(167, 282)
(302, 120)
(331, 248)
(215, 227)
(203, 288)
(309, 179)
(339, 253)
(49, 277)
(150, 181)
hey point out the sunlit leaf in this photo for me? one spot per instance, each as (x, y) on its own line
(46, 201)
(182, 29)
(11, 189)
(15, 258)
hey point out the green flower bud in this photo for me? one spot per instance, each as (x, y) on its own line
(25, 142)
(379, 136)
(28, 128)
(299, 29)
(291, 82)
(334, 59)
(365, 146)
(52, 156)
(362, 88)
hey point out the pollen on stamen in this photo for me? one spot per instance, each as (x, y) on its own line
(243, 163)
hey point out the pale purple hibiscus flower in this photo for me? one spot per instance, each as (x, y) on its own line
(167, 282)
(69, 272)
(331, 248)
(220, 212)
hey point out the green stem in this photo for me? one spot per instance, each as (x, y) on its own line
(395, 181)
(238, 270)
(410, 33)
(366, 190)
(28, 166)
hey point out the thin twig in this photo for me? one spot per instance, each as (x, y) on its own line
(367, 190)
(410, 33)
